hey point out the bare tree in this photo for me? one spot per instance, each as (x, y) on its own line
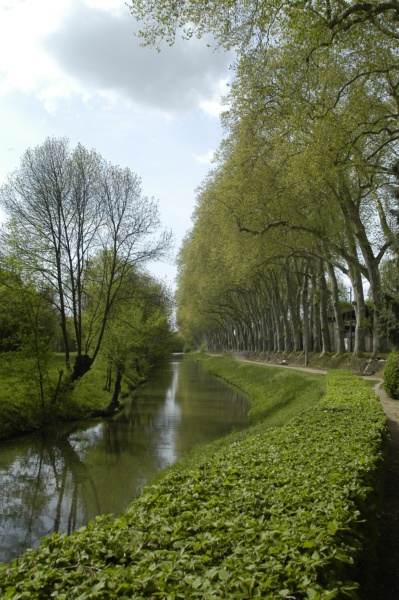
(68, 209)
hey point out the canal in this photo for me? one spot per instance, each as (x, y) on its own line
(59, 479)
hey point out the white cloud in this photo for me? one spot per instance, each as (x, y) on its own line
(99, 49)
(205, 159)
(75, 68)
(89, 48)
(23, 65)
(212, 108)
(113, 6)
(216, 105)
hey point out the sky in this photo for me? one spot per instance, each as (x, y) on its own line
(76, 69)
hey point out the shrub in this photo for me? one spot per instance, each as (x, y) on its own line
(391, 374)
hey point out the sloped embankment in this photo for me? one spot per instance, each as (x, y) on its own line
(287, 512)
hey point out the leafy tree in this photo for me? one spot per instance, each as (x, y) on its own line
(65, 208)
(28, 325)
(12, 322)
(138, 332)
(245, 23)
(312, 127)
(390, 314)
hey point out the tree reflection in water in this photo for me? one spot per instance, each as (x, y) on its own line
(46, 488)
(59, 480)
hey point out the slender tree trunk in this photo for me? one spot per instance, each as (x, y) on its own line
(277, 330)
(270, 336)
(305, 317)
(287, 332)
(294, 312)
(338, 320)
(108, 377)
(376, 294)
(114, 404)
(360, 309)
(325, 331)
(316, 315)
(371, 261)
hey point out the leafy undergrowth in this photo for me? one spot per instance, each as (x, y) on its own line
(21, 410)
(286, 513)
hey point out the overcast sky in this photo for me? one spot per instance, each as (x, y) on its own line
(74, 68)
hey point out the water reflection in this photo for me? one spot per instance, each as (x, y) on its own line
(59, 480)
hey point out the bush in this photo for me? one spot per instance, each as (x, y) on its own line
(391, 375)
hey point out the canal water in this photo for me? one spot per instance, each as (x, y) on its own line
(58, 480)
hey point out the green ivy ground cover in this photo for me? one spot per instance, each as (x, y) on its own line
(277, 513)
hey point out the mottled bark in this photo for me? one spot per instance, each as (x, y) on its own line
(325, 331)
(305, 317)
(338, 320)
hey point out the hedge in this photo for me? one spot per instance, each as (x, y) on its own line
(281, 513)
(391, 374)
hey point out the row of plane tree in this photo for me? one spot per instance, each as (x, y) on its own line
(303, 190)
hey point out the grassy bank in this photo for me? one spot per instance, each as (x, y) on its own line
(22, 411)
(276, 395)
(279, 512)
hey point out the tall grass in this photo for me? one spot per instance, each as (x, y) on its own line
(21, 408)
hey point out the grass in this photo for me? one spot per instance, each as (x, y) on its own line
(276, 394)
(21, 410)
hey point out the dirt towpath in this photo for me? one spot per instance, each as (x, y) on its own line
(387, 580)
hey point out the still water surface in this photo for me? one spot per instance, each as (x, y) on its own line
(59, 480)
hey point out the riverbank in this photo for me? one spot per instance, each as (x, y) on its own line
(22, 411)
(281, 511)
(61, 478)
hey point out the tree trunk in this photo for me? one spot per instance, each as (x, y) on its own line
(277, 329)
(114, 404)
(305, 317)
(316, 316)
(360, 309)
(372, 264)
(338, 322)
(325, 331)
(81, 367)
(376, 294)
(108, 378)
(294, 312)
